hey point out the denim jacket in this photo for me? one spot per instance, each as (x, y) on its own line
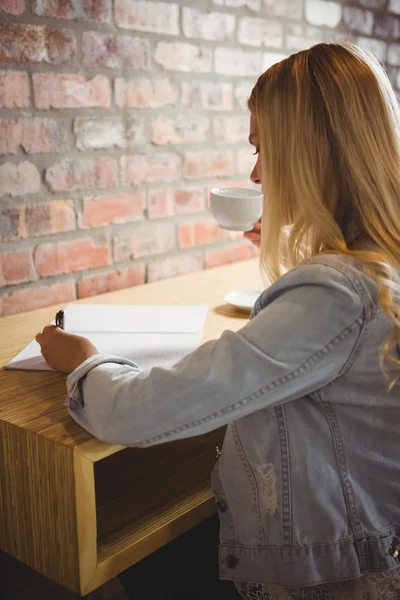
(307, 485)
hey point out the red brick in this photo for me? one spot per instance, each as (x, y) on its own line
(35, 136)
(15, 267)
(138, 168)
(109, 132)
(29, 43)
(36, 297)
(108, 282)
(145, 241)
(260, 32)
(293, 9)
(12, 7)
(89, 10)
(245, 161)
(207, 95)
(215, 258)
(81, 174)
(214, 26)
(198, 234)
(67, 90)
(172, 267)
(144, 93)
(185, 128)
(14, 89)
(44, 219)
(170, 202)
(115, 51)
(200, 165)
(68, 257)
(387, 27)
(356, 19)
(104, 210)
(233, 61)
(10, 223)
(183, 57)
(252, 4)
(154, 17)
(231, 129)
(18, 179)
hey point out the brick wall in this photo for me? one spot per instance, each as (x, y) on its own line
(117, 117)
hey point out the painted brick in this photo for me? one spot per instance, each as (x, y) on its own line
(149, 168)
(373, 3)
(173, 267)
(199, 234)
(397, 84)
(245, 160)
(394, 6)
(232, 61)
(231, 129)
(107, 50)
(215, 258)
(154, 17)
(19, 179)
(12, 7)
(242, 93)
(376, 46)
(94, 10)
(260, 32)
(359, 20)
(145, 241)
(292, 9)
(118, 208)
(185, 128)
(387, 27)
(65, 90)
(15, 267)
(169, 202)
(271, 58)
(207, 95)
(183, 57)
(322, 13)
(29, 43)
(214, 26)
(14, 89)
(394, 55)
(32, 298)
(109, 132)
(79, 174)
(71, 256)
(109, 282)
(200, 165)
(252, 4)
(35, 136)
(144, 93)
(294, 42)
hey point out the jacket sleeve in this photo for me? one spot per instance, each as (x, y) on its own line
(304, 334)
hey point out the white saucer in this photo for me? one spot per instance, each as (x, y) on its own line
(244, 299)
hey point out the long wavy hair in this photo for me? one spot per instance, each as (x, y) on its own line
(329, 125)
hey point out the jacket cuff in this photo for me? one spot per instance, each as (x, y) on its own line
(75, 379)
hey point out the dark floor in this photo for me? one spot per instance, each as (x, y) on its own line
(18, 582)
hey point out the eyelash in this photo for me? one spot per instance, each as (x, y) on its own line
(256, 152)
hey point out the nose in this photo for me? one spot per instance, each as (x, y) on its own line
(255, 176)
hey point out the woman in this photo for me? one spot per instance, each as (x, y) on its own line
(308, 482)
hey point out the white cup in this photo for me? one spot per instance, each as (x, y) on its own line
(236, 209)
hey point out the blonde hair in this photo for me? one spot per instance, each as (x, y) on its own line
(329, 126)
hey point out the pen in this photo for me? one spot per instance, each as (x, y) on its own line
(60, 319)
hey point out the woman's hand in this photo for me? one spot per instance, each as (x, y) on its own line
(64, 351)
(254, 235)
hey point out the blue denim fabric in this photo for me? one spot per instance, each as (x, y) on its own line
(308, 482)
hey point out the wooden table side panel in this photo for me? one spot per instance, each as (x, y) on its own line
(37, 504)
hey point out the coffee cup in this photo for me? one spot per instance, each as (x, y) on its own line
(236, 209)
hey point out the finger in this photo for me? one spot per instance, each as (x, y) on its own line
(43, 335)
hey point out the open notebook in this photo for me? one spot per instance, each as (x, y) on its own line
(148, 335)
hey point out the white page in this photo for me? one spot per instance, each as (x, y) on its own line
(146, 349)
(139, 319)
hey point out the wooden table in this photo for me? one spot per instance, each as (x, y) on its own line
(78, 510)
